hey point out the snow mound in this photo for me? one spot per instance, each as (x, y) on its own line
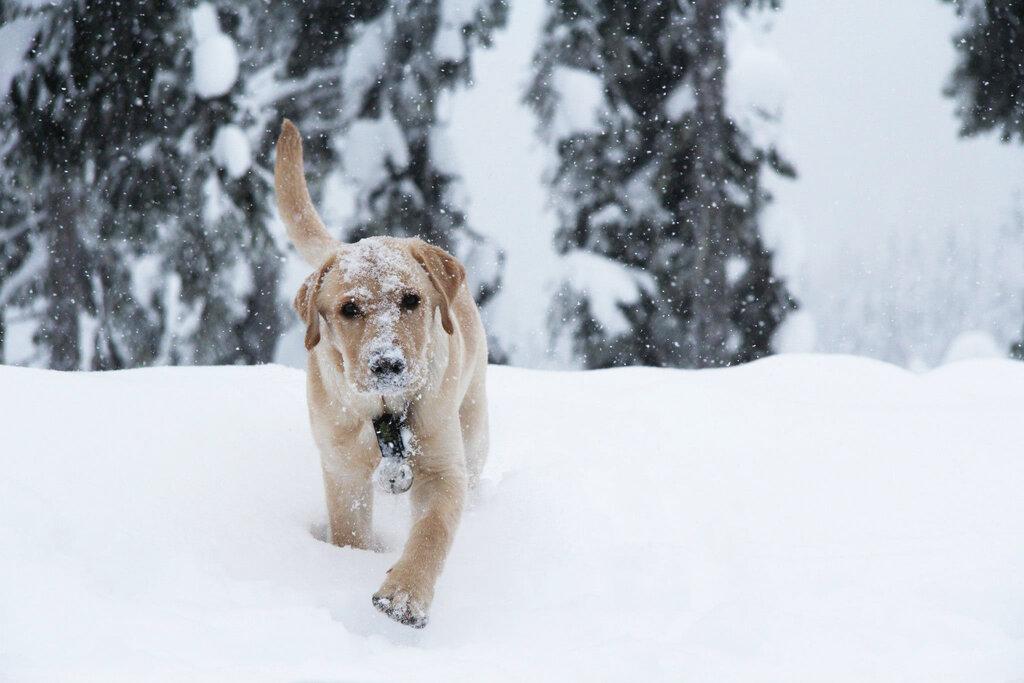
(607, 284)
(973, 344)
(214, 57)
(800, 518)
(370, 147)
(364, 60)
(231, 150)
(681, 101)
(449, 43)
(581, 102)
(758, 79)
(15, 39)
(797, 334)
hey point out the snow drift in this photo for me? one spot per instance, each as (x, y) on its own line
(801, 518)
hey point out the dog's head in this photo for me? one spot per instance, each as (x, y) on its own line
(378, 302)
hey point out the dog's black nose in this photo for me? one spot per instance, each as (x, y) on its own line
(387, 366)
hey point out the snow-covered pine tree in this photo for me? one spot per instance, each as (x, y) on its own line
(16, 248)
(658, 191)
(158, 121)
(988, 81)
(135, 226)
(70, 123)
(375, 77)
(223, 253)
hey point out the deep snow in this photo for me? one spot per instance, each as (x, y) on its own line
(801, 518)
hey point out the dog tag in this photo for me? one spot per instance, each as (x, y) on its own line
(393, 474)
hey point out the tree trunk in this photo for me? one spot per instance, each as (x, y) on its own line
(66, 286)
(265, 322)
(710, 311)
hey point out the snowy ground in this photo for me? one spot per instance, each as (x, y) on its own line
(801, 518)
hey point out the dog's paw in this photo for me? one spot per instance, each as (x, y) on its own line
(401, 607)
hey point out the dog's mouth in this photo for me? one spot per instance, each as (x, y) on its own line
(383, 385)
(388, 385)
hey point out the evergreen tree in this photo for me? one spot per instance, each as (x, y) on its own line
(988, 81)
(659, 193)
(134, 214)
(375, 77)
(15, 249)
(72, 118)
(225, 255)
(130, 243)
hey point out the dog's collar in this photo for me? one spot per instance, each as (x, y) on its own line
(388, 428)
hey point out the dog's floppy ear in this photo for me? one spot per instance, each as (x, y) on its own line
(446, 275)
(305, 302)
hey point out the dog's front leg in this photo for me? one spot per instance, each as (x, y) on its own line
(349, 505)
(439, 493)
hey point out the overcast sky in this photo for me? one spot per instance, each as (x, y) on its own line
(872, 136)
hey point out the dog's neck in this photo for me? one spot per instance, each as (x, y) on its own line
(395, 404)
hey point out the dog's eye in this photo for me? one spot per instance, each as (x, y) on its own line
(410, 301)
(349, 309)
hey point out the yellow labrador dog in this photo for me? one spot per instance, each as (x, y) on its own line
(391, 330)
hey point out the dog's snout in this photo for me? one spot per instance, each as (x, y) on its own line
(383, 367)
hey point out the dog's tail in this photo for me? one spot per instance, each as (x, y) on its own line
(305, 228)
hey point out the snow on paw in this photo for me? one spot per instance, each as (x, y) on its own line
(398, 605)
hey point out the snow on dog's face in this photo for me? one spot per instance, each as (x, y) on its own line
(378, 298)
